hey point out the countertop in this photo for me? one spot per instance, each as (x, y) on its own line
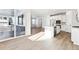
(75, 26)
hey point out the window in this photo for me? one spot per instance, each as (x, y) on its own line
(20, 20)
(5, 18)
(10, 21)
(0, 18)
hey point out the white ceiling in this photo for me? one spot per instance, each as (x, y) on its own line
(10, 12)
(35, 12)
(41, 12)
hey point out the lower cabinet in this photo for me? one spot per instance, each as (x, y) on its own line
(75, 35)
(66, 28)
(20, 30)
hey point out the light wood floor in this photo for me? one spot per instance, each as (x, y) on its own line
(60, 42)
(35, 30)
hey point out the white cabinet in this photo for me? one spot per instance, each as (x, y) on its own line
(75, 21)
(67, 22)
(57, 29)
(49, 32)
(66, 28)
(63, 18)
(63, 28)
(69, 15)
(75, 35)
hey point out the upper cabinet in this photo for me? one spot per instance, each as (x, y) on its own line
(75, 18)
(77, 15)
(69, 15)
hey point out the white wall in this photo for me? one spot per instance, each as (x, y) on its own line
(43, 21)
(27, 22)
(46, 20)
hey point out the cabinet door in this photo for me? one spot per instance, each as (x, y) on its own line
(63, 28)
(68, 17)
(57, 29)
(68, 28)
(75, 35)
(63, 18)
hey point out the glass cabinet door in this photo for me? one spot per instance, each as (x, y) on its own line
(20, 28)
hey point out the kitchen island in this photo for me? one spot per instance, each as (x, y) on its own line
(75, 35)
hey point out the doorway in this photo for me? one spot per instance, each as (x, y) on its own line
(36, 25)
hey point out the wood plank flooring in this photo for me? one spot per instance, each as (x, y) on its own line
(61, 42)
(35, 30)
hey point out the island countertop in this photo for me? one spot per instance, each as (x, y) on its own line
(75, 34)
(75, 26)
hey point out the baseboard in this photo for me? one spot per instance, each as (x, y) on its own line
(11, 38)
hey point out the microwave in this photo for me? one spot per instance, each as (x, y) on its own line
(58, 22)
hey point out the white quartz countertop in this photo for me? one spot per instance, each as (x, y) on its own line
(75, 26)
(75, 35)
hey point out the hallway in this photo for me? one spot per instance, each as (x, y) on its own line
(60, 42)
(36, 30)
